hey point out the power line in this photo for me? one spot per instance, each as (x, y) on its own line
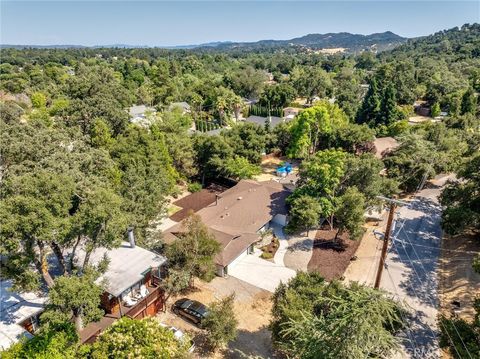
(418, 277)
(409, 331)
(420, 186)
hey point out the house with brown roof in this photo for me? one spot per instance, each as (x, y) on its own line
(238, 217)
(384, 145)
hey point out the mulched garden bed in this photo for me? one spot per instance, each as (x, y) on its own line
(196, 201)
(270, 249)
(331, 258)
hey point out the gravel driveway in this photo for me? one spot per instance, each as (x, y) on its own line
(252, 309)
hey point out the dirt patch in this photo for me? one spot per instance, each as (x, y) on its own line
(458, 281)
(252, 307)
(196, 201)
(331, 258)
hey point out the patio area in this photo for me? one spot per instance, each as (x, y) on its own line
(147, 306)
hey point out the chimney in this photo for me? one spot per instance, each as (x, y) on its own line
(216, 199)
(131, 237)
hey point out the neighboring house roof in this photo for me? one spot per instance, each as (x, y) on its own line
(295, 110)
(183, 105)
(16, 308)
(383, 145)
(127, 265)
(249, 101)
(240, 212)
(259, 120)
(139, 110)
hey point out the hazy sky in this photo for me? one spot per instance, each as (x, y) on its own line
(165, 23)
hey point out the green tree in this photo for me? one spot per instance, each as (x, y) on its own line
(313, 319)
(469, 102)
(195, 249)
(388, 108)
(309, 127)
(58, 342)
(321, 174)
(146, 176)
(39, 100)
(320, 177)
(144, 338)
(239, 168)
(174, 126)
(304, 213)
(95, 92)
(176, 281)
(461, 337)
(363, 172)
(411, 162)
(311, 81)
(211, 152)
(247, 140)
(100, 218)
(277, 96)
(371, 107)
(349, 213)
(33, 216)
(74, 296)
(221, 322)
(461, 199)
(435, 110)
(101, 135)
(53, 182)
(59, 107)
(353, 138)
(247, 82)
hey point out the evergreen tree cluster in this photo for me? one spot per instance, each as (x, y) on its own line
(263, 111)
(379, 107)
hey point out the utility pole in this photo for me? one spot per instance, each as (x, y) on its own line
(381, 264)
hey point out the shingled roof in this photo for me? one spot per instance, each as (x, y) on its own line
(238, 214)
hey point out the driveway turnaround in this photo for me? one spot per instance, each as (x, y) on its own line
(411, 270)
(260, 272)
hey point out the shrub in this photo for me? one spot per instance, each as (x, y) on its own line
(435, 110)
(459, 336)
(266, 255)
(221, 323)
(194, 187)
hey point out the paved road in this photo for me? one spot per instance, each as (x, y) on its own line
(411, 272)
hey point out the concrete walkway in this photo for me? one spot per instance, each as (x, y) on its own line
(260, 272)
(283, 244)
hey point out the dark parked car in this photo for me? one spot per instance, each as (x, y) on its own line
(190, 309)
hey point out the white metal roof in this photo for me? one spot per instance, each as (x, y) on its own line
(127, 265)
(15, 308)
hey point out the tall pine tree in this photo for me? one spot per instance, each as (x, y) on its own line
(370, 110)
(388, 110)
(469, 102)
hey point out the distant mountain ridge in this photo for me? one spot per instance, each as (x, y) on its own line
(344, 40)
(349, 42)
